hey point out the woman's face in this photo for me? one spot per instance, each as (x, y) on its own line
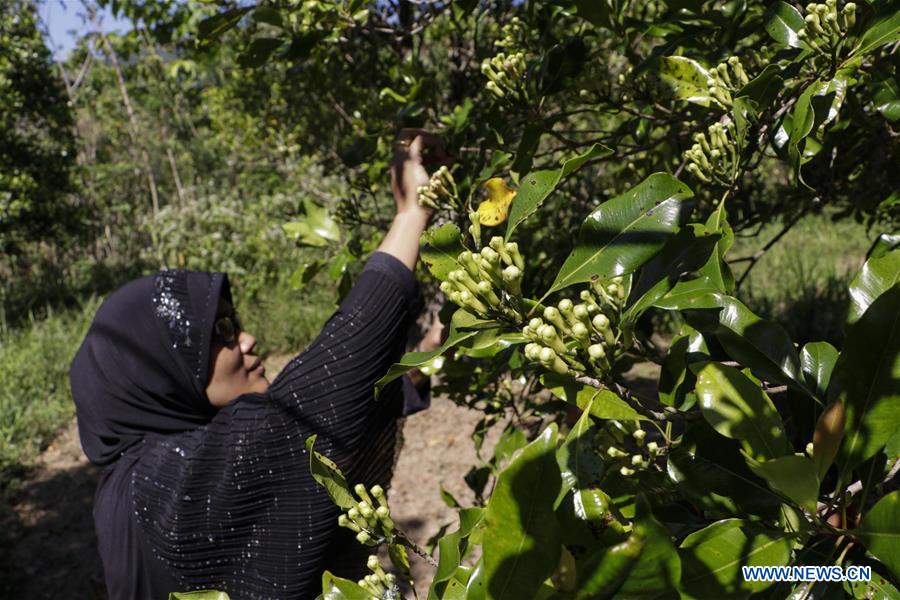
(233, 368)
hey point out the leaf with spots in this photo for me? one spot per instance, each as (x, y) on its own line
(440, 250)
(685, 79)
(328, 475)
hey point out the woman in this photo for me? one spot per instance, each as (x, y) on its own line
(206, 481)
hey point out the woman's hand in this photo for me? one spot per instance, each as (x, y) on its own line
(414, 151)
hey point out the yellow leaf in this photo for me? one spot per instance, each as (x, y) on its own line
(495, 209)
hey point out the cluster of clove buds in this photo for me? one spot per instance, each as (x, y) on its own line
(371, 520)
(637, 461)
(713, 157)
(577, 338)
(826, 25)
(379, 583)
(726, 78)
(505, 75)
(488, 279)
(441, 191)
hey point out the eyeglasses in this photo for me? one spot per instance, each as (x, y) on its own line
(227, 328)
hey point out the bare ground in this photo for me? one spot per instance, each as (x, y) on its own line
(47, 536)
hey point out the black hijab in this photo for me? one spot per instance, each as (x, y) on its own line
(197, 498)
(143, 366)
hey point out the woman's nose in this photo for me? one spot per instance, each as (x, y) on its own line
(247, 342)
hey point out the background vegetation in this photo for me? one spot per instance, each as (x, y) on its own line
(255, 139)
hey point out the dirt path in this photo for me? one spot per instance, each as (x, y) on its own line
(47, 537)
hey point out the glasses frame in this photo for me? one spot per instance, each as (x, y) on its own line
(227, 328)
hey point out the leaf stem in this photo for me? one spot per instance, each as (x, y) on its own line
(402, 537)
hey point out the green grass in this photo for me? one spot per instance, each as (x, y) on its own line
(801, 282)
(285, 321)
(35, 400)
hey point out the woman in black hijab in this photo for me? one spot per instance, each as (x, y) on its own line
(206, 481)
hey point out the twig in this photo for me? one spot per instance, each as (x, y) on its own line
(856, 487)
(415, 548)
(671, 413)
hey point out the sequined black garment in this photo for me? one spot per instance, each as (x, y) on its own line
(228, 503)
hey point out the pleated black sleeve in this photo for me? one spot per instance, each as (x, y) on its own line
(232, 505)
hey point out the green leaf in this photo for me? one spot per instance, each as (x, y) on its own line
(658, 569)
(712, 558)
(490, 343)
(675, 379)
(880, 531)
(887, 99)
(199, 595)
(440, 249)
(710, 471)
(783, 21)
(686, 79)
(448, 498)
(328, 475)
(602, 404)
(866, 379)
(399, 558)
(338, 588)
(737, 408)
(686, 294)
(475, 588)
(450, 551)
(317, 228)
(521, 538)
(498, 159)
(763, 346)
(463, 326)
(883, 244)
(802, 124)
(717, 270)
(537, 186)
(687, 251)
(268, 15)
(876, 277)
(321, 222)
(214, 26)
(877, 588)
(885, 31)
(304, 233)
(817, 105)
(625, 232)
(602, 573)
(511, 439)
(764, 88)
(792, 475)
(304, 274)
(817, 361)
(579, 466)
(259, 51)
